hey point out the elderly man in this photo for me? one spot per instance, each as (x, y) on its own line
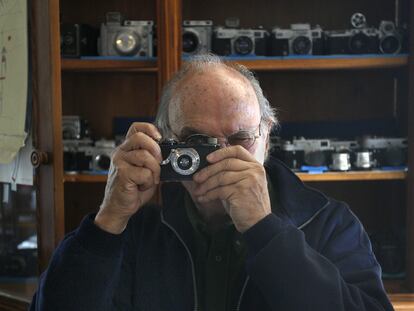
(244, 234)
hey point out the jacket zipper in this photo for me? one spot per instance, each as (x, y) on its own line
(242, 293)
(191, 261)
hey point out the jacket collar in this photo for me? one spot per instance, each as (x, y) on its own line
(297, 203)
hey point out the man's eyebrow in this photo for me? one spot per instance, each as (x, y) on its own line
(187, 131)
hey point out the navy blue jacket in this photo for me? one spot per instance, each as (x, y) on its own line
(312, 253)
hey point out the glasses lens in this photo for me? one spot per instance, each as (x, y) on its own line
(243, 138)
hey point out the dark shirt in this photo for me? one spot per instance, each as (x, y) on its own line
(219, 257)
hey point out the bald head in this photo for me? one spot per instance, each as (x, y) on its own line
(217, 99)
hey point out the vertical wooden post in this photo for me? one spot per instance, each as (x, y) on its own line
(169, 23)
(410, 176)
(47, 115)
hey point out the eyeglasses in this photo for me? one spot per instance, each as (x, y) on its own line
(243, 138)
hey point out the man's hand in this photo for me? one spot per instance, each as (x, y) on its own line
(132, 179)
(235, 177)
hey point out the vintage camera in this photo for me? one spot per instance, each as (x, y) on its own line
(390, 39)
(300, 39)
(182, 159)
(387, 151)
(77, 155)
(78, 40)
(343, 154)
(101, 155)
(240, 42)
(75, 127)
(301, 151)
(197, 36)
(359, 40)
(125, 37)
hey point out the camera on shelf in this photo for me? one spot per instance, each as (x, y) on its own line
(197, 36)
(78, 40)
(301, 151)
(77, 155)
(74, 127)
(359, 40)
(387, 151)
(240, 42)
(126, 37)
(342, 156)
(101, 155)
(182, 159)
(300, 39)
(390, 39)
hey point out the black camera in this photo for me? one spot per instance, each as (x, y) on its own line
(359, 40)
(390, 38)
(300, 39)
(182, 159)
(78, 40)
(240, 42)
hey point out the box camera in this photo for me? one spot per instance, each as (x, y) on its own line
(197, 36)
(126, 38)
(74, 127)
(182, 159)
(241, 42)
(359, 40)
(390, 39)
(300, 39)
(101, 155)
(78, 40)
(77, 155)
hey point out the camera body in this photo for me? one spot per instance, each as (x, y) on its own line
(352, 41)
(387, 151)
(240, 42)
(182, 159)
(126, 37)
(300, 39)
(101, 155)
(74, 127)
(78, 40)
(390, 39)
(197, 36)
(77, 155)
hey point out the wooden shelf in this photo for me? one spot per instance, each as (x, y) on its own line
(354, 176)
(347, 62)
(402, 302)
(330, 176)
(108, 65)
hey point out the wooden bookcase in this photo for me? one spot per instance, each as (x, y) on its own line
(310, 90)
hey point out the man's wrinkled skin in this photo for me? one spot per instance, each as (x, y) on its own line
(217, 101)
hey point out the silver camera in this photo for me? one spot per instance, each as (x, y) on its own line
(300, 39)
(197, 36)
(390, 38)
(125, 37)
(101, 155)
(244, 42)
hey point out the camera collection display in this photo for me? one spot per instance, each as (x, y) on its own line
(136, 38)
(364, 153)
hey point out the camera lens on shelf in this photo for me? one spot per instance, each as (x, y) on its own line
(358, 43)
(190, 42)
(127, 43)
(390, 45)
(243, 45)
(301, 45)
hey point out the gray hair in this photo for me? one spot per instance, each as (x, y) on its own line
(200, 63)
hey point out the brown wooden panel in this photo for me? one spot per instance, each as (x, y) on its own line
(328, 96)
(93, 11)
(330, 14)
(101, 96)
(378, 204)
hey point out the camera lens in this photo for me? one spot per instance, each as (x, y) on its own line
(358, 43)
(184, 162)
(243, 45)
(127, 43)
(103, 162)
(301, 45)
(390, 45)
(190, 42)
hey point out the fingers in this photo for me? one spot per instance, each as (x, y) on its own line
(221, 193)
(140, 176)
(219, 180)
(142, 158)
(141, 140)
(224, 165)
(146, 128)
(231, 152)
